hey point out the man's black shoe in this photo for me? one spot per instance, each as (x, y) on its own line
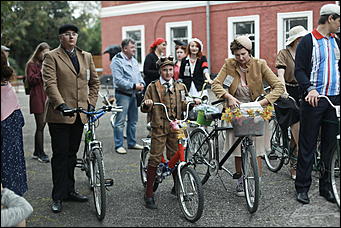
(150, 203)
(56, 206)
(328, 195)
(302, 197)
(75, 196)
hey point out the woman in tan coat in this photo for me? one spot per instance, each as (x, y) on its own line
(244, 77)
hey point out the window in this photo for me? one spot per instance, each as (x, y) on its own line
(177, 31)
(288, 20)
(136, 33)
(247, 25)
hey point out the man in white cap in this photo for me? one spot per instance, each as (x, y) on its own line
(316, 70)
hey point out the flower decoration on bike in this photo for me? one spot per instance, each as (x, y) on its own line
(236, 113)
(179, 129)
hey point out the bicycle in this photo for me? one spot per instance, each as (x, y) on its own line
(281, 152)
(188, 187)
(92, 159)
(207, 162)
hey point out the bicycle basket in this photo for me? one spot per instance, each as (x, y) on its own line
(246, 125)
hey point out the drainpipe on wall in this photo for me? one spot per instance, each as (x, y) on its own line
(208, 33)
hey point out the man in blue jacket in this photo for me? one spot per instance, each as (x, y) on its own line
(317, 72)
(128, 82)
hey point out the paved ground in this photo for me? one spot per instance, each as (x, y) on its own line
(278, 206)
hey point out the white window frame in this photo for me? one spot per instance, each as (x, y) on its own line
(280, 25)
(171, 25)
(126, 29)
(230, 38)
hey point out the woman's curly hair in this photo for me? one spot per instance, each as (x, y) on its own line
(7, 72)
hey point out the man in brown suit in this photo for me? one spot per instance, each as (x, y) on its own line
(173, 95)
(70, 81)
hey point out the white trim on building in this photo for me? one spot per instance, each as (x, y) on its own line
(280, 25)
(171, 25)
(155, 6)
(230, 32)
(126, 29)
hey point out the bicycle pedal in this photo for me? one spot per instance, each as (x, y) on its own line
(109, 182)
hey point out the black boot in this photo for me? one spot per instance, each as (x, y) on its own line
(149, 198)
(174, 174)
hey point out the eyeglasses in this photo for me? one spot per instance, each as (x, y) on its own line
(164, 58)
(69, 34)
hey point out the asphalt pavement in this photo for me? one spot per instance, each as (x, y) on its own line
(125, 206)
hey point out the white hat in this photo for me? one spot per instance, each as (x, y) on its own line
(4, 48)
(296, 32)
(198, 41)
(329, 9)
(244, 41)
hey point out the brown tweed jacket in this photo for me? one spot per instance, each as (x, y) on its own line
(63, 85)
(155, 91)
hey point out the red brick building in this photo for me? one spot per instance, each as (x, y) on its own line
(215, 23)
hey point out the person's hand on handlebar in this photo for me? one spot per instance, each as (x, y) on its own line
(312, 98)
(233, 102)
(148, 102)
(65, 110)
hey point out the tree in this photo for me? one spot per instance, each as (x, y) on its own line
(25, 24)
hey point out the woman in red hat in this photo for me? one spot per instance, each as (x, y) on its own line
(157, 49)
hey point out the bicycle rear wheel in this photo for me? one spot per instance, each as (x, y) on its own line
(274, 159)
(335, 174)
(250, 178)
(98, 183)
(191, 197)
(199, 151)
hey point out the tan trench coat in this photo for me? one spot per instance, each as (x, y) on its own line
(258, 72)
(63, 85)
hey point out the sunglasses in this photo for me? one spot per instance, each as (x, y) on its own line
(164, 58)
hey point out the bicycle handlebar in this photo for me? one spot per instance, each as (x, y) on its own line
(336, 107)
(107, 108)
(166, 111)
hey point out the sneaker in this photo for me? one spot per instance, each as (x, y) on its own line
(121, 150)
(293, 173)
(240, 187)
(136, 147)
(43, 158)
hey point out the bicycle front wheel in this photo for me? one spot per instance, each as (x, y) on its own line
(199, 151)
(191, 197)
(335, 174)
(274, 159)
(250, 178)
(98, 183)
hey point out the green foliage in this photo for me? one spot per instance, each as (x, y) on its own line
(25, 24)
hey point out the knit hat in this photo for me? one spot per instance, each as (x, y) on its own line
(67, 27)
(294, 33)
(330, 9)
(244, 41)
(156, 42)
(198, 41)
(164, 61)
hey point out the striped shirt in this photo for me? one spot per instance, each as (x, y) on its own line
(325, 76)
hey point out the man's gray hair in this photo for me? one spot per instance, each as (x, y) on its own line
(126, 42)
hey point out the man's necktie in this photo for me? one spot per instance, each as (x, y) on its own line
(167, 85)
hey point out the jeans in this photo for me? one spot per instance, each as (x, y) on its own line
(129, 108)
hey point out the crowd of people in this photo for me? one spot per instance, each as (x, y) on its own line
(65, 77)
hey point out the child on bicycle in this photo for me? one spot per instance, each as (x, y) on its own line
(173, 95)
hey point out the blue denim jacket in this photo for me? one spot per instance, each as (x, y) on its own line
(125, 73)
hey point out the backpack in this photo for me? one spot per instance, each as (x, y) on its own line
(26, 85)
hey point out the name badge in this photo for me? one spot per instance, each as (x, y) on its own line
(228, 80)
(87, 74)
